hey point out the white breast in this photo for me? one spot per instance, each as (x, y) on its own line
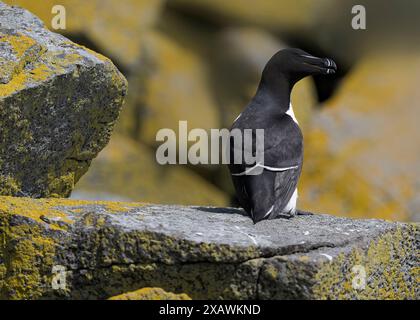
(291, 113)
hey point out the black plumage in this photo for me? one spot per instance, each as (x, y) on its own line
(270, 193)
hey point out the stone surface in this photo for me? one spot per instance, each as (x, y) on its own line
(114, 27)
(361, 156)
(126, 170)
(150, 294)
(58, 105)
(103, 249)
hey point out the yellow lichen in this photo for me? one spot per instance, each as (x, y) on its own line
(385, 278)
(109, 25)
(25, 50)
(25, 255)
(17, 83)
(27, 250)
(57, 208)
(8, 185)
(151, 294)
(19, 42)
(62, 185)
(44, 63)
(30, 65)
(24, 279)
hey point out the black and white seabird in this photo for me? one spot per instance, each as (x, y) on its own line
(273, 193)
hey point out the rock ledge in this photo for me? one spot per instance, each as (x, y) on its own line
(102, 249)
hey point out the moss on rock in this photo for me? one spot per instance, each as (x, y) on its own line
(107, 249)
(383, 263)
(115, 28)
(58, 105)
(375, 269)
(151, 294)
(27, 259)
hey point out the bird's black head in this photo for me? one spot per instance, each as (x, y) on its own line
(296, 64)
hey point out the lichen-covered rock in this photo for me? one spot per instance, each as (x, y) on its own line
(128, 170)
(170, 85)
(114, 27)
(58, 105)
(361, 159)
(66, 249)
(151, 294)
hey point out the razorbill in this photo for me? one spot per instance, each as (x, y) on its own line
(272, 192)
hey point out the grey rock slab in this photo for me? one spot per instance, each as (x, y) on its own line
(108, 248)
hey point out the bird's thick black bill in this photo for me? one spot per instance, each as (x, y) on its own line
(322, 65)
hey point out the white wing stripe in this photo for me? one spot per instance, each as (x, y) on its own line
(278, 169)
(269, 211)
(265, 167)
(237, 117)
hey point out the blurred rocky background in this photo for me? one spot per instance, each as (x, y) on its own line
(200, 60)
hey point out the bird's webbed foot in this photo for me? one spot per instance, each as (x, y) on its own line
(284, 216)
(303, 213)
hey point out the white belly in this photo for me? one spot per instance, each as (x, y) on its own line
(291, 205)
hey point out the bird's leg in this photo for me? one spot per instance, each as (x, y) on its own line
(284, 216)
(303, 213)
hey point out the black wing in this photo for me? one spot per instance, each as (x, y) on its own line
(283, 148)
(284, 186)
(256, 194)
(283, 143)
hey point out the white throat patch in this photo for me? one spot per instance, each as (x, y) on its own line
(291, 113)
